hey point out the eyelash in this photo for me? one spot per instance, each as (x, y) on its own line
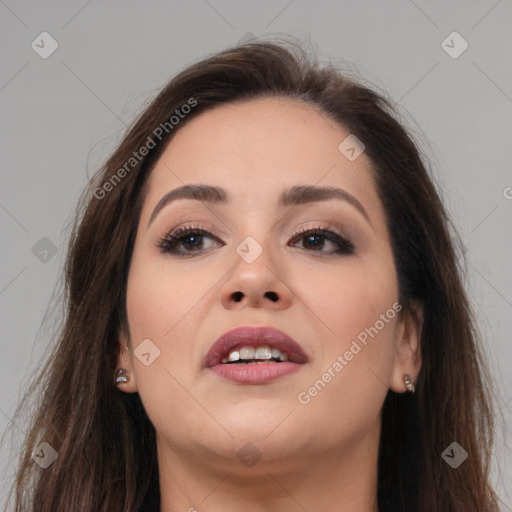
(166, 244)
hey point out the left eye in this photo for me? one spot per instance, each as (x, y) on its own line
(316, 238)
(191, 240)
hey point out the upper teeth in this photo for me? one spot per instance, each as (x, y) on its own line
(263, 352)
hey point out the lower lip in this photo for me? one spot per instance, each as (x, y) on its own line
(255, 373)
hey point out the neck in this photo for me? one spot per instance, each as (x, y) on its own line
(330, 482)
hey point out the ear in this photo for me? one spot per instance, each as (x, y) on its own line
(408, 347)
(125, 360)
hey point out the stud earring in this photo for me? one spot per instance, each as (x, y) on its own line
(120, 375)
(408, 383)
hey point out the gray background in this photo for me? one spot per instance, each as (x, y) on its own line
(61, 117)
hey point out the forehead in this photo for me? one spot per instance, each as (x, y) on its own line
(244, 128)
(258, 147)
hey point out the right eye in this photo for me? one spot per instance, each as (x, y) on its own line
(179, 241)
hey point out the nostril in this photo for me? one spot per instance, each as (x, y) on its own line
(272, 296)
(238, 296)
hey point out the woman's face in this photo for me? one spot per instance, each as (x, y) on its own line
(258, 262)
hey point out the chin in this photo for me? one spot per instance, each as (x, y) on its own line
(254, 455)
(256, 419)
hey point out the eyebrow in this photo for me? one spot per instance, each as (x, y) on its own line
(296, 195)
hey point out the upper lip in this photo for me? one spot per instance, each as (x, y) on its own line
(247, 336)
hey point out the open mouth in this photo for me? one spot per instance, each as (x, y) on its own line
(255, 355)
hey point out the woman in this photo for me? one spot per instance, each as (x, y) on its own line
(264, 312)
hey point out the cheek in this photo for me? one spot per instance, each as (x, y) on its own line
(345, 299)
(350, 379)
(160, 294)
(358, 310)
(167, 303)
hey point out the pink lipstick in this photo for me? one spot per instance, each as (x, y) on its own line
(255, 355)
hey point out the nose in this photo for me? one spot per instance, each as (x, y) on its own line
(259, 284)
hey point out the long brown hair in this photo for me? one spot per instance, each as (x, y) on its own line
(104, 439)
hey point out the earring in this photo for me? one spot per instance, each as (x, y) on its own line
(408, 383)
(120, 376)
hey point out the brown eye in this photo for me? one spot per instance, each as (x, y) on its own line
(314, 239)
(184, 241)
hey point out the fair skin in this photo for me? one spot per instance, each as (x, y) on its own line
(315, 456)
